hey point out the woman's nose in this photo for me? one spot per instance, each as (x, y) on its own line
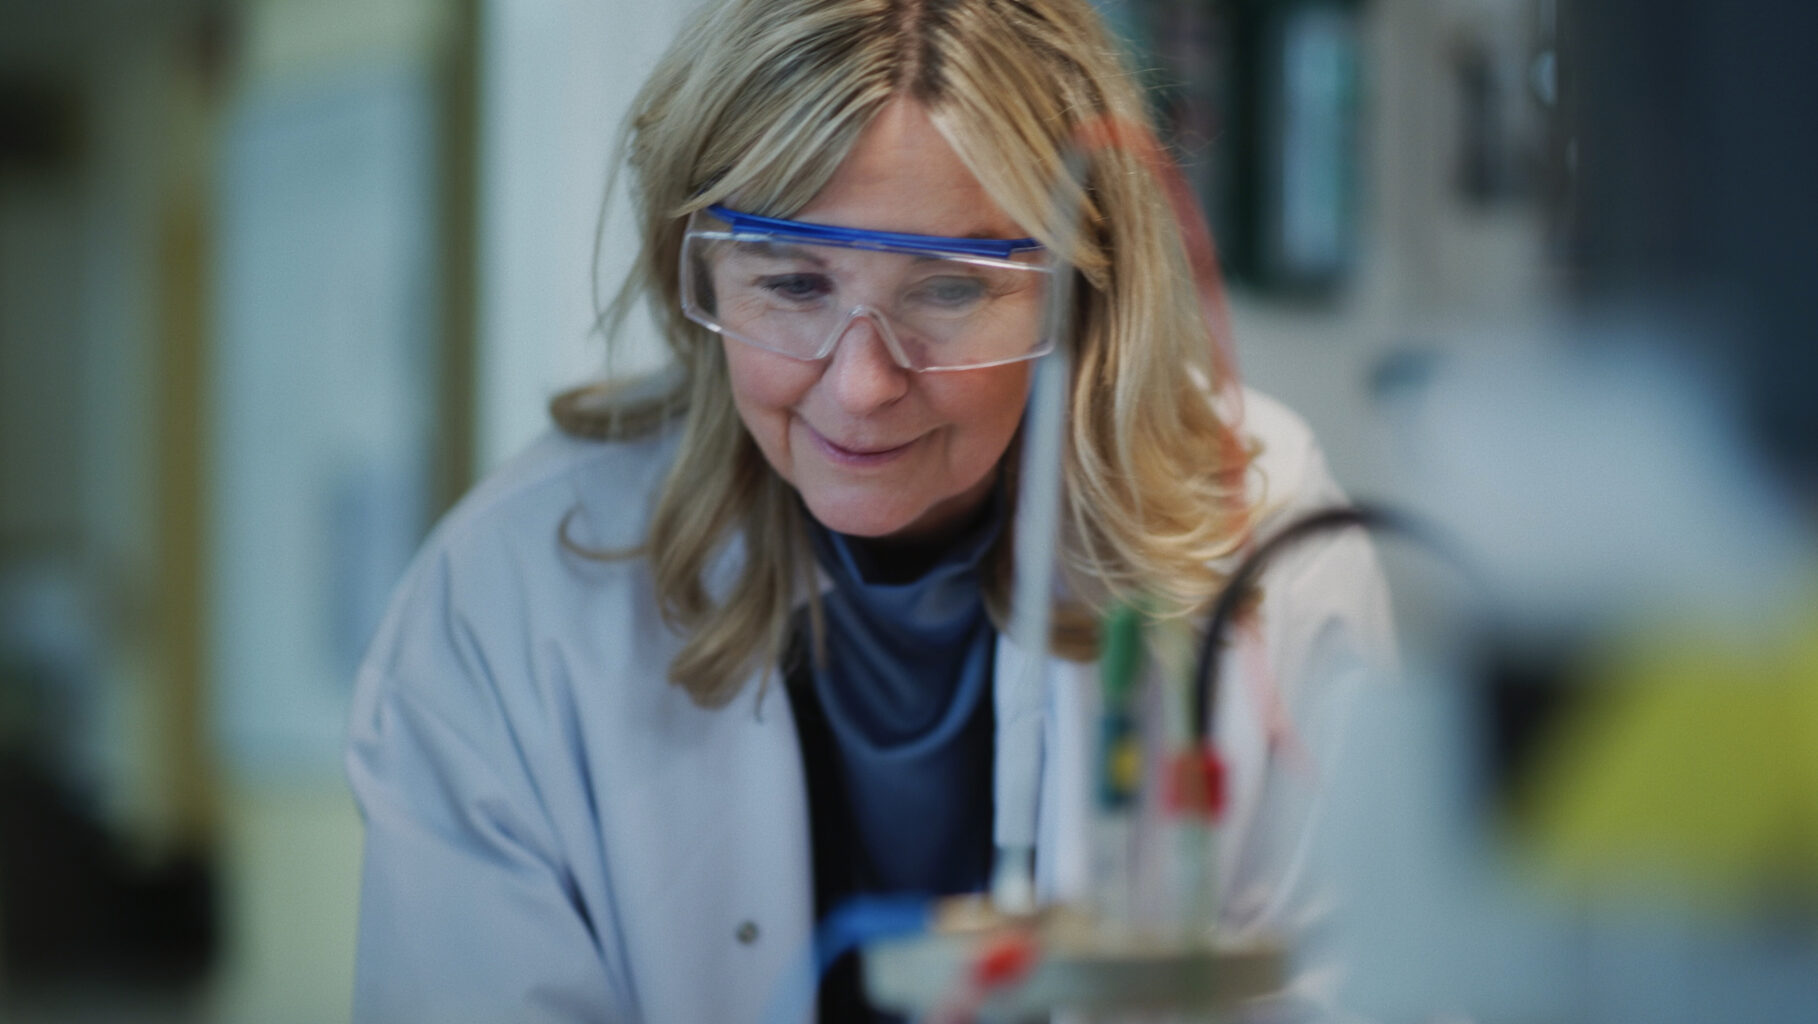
(861, 374)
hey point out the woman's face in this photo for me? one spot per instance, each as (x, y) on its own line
(876, 450)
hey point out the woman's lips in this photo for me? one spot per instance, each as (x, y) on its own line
(858, 453)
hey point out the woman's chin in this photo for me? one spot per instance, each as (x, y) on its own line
(856, 519)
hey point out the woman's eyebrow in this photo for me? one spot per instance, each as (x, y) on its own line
(778, 251)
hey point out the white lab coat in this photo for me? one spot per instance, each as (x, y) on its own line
(555, 833)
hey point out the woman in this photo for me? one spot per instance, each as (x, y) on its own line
(588, 798)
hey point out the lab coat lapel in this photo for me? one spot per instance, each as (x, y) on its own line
(735, 898)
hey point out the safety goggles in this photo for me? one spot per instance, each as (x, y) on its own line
(795, 289)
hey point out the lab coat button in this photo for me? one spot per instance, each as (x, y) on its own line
(747, 933)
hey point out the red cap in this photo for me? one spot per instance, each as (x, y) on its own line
(1196, 784)
(1005, 961)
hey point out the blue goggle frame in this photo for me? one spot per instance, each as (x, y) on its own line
(860, 238)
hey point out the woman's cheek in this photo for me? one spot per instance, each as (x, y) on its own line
(985, 405)
(765, 390)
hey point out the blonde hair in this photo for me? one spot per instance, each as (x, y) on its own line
(764, 99)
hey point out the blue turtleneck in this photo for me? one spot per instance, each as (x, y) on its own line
(904, 696)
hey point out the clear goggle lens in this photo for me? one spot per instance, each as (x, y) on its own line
(795, 289)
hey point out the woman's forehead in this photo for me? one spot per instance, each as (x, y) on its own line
(902, 175)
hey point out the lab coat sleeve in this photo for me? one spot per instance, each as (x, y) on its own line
(1324, 639)
(469, 910)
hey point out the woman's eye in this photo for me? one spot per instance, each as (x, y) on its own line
(949, 292)
(796, 287)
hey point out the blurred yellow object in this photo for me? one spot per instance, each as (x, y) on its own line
(1691, 761)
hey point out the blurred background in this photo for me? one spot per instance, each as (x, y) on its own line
(280, 279)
